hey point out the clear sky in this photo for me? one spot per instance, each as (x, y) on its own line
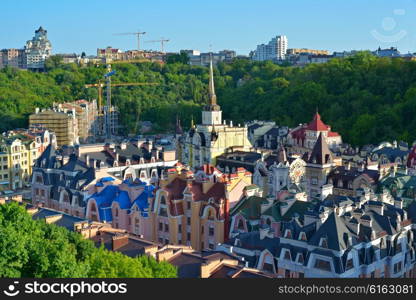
(335, 25)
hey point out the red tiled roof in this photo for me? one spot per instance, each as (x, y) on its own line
(333, 134)
(317, 124)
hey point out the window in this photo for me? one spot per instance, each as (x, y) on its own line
(301, 260)
(202, 229)
(287, 255)
(323, 265)
(188, 205)
(160, 226)
(211, 231)
(179, 228)
(166, 227)
(398, 247)
(188, 221)
(349, 265)
(163, 200)
(188, 236)
(323, 243)
(301, 275)
(287, 273)
(39, 179)
(397, 267)
(268, 267)
(65, 198)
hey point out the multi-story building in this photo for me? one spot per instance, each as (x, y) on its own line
(193, 208)
(19, 150)
(37, 50)
(297, 51)
(109, 53)
(13, 58)
(203, 143)
(65, 179)
(87, 117)
(302, 138)
(341, 237)
(196, 58)
(61, 122)
(275, 50)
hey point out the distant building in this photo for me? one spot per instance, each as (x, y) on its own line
(275, 50)
(109, 53)
(296, 51)
(37, 50)
(389, 52)
(13, 58)
(196, 58)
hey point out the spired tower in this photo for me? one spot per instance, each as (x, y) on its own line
(212, 114)
(204, 142)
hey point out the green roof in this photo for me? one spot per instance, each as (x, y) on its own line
(299, 207)
(249, 207)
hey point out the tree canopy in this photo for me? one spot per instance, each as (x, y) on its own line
(365, 98)
(36, 249)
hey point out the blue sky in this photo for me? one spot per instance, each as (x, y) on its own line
(335, 25)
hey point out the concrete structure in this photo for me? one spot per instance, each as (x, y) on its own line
(63, 123)
(203, 143)
(196, 58)
(13, 58)
(275, 50)
(87, 117)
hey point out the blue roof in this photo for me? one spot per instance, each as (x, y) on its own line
(106, 179)
(110, 193)
(123, 200)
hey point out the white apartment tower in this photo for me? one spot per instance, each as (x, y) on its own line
(38, 49)
(275, 50)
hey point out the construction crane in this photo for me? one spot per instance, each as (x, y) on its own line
(105, 111)
(138, 34)
(162, 42)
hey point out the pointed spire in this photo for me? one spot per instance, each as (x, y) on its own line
(212, 96)
(321, 154)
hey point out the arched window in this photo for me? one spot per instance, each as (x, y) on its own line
(163, 200)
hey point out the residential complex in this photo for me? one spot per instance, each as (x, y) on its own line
(275, 50)
(19, 150)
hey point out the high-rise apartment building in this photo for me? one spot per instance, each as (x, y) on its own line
(275, 50)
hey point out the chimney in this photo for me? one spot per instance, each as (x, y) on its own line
(119, 241)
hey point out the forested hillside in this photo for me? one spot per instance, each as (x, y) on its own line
(366, 99)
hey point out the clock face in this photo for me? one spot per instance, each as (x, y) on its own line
(296, 172)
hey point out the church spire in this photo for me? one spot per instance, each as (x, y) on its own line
(212, 96)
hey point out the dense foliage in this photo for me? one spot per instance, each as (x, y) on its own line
(35, 249)
(366, 99)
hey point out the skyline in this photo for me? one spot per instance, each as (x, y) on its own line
(76, 26)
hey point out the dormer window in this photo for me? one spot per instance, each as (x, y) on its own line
(323, 243)
(300, 259)
(302, 236)
(287, 255)
(288, 234)
(349, 264)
